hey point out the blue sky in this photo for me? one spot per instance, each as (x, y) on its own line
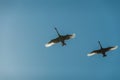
(27, 25)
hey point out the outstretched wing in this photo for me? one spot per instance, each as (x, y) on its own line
(52, 42)
(111, 48)
(93, 53)
(66, 37)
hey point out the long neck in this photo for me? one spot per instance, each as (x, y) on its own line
(100, 44)
(57, 32)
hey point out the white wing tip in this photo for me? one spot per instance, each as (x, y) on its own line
(49, 44)
(114, 48)
(91, 54)
(73, 35)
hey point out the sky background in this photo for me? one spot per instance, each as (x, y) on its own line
(27, 25)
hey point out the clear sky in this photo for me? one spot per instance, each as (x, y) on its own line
(27, 25)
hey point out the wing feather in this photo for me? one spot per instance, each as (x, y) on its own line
(52, 42)
(111, 48)
(70, 36)
(93, 53)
